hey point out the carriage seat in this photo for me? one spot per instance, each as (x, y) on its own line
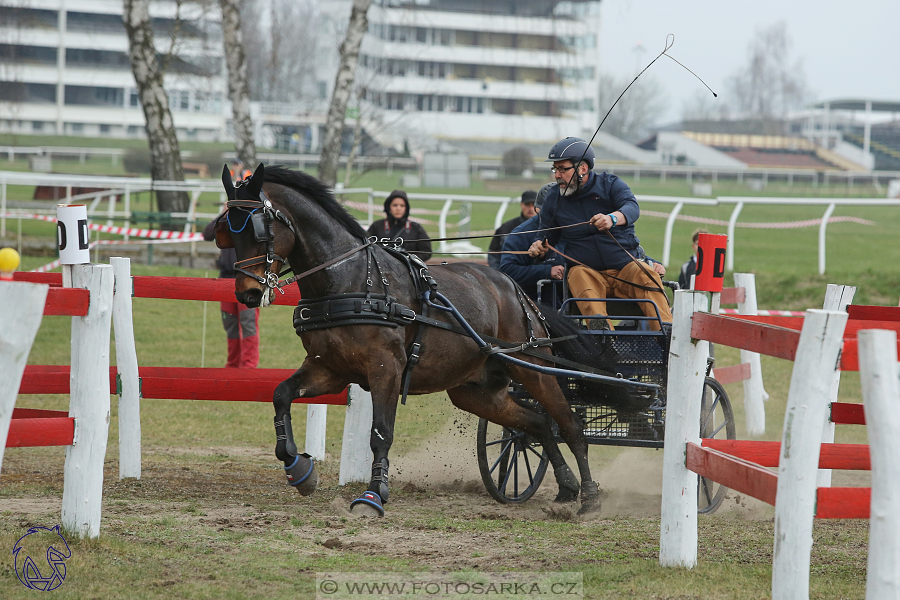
(620, 308)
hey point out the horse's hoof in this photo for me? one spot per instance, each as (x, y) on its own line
(367, 505)
(302, 475)
(590, 499)
(566, 495)
(568, 485)
(590, 508)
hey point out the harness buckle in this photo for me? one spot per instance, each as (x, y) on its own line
(413, 358)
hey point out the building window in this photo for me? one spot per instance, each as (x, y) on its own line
(104, 127)
(37, 125)
(77, 127)
(93, 96)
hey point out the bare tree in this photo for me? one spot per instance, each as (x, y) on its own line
(165, 153)
(238, 88)
(281, 50)
(769, 85)
(638, 110)
(343, 85)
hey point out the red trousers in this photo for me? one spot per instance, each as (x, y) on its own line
(241, 325)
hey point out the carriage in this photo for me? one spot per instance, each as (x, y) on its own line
(512, 464)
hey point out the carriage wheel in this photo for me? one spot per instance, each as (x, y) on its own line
(512, 463)
(716, 421)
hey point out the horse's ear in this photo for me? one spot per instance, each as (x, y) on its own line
(256, 182)
(226, 181)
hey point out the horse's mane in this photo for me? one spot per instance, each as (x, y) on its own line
(316, 191)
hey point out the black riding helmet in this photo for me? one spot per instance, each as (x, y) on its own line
(572, 148)
(542, 193)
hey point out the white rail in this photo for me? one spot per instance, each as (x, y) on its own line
(126, 185)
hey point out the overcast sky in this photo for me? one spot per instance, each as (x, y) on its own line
(849, 49)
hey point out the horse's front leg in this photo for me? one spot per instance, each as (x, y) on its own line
(385, 391)
(305, 382)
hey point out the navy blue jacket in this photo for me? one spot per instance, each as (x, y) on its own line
(603, 193)
(525, 270)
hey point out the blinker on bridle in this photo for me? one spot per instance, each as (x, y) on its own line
(262, 216)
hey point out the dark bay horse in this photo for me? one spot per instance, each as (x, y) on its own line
(280, 216)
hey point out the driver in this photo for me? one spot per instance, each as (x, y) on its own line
(597, 213)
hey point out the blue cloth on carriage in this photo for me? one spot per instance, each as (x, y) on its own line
(603, 193)
(526, 271)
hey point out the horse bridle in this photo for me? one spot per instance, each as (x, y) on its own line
(262, 216)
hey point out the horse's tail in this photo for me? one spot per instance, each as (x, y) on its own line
(593, 351)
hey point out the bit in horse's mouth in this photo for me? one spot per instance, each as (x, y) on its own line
(266, 299)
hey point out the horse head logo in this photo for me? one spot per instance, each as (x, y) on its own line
(57, 551)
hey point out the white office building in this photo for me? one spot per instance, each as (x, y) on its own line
(506, 70)
(64, 69)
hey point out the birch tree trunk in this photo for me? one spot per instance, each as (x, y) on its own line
(343, 83)
(165, 154)
(238, 87)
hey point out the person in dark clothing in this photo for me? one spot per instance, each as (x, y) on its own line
(241, 322)
(597, 213)
(398, 225)
(525, 270)
(690, 267)
(526, 204)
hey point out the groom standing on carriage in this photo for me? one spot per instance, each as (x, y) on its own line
(592, 215)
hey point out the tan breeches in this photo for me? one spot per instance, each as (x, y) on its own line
(588, 283)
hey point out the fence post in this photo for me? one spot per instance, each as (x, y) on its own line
(881, 397)
(687, 368)
(22, 308)
(316, 416)
(795, 506)
(127, 368)
(837, 297)
(356, 450)
(89, 403)
(754, 393)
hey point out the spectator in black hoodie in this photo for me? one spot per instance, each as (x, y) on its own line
(398, 225)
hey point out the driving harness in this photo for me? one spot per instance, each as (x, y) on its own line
(370, 308)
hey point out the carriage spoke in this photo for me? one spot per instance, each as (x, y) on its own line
(718, 429)
(710, 414)
(503, 454)
(500, 441)
(503, 484)
(516, 471)
(528, 465)
(535, 452)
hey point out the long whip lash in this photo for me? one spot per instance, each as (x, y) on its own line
(670, 41)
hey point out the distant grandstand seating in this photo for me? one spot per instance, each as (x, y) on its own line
(795, 159)
(774, 151)
(884, 144)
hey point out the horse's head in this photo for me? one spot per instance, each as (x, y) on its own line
(260, 234)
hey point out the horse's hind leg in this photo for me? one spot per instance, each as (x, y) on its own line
(498, 407)
(545, 389)
(299, 468)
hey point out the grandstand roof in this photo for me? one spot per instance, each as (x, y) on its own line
(859, 104)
